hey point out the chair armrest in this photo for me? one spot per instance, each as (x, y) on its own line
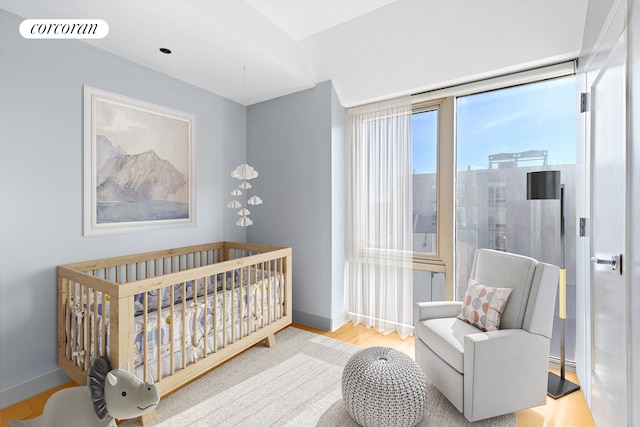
(435, 310)
(504, 371)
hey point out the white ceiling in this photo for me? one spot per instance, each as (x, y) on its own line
(254, 50)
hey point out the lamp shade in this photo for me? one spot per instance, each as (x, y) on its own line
(543, 185)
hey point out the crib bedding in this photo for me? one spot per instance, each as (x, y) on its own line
(225, 295)
(219, 281)
(263, 307)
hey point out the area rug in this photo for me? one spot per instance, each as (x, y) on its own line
(296, 383)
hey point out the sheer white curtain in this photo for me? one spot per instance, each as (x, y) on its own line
(379, 288)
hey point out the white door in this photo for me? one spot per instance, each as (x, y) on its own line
(608, 294)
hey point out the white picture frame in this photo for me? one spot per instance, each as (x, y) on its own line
(139, 165)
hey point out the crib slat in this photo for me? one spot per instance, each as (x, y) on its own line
(172, 313)
(103, 336)
(205, 312)
(194, 324)
(262, 283)
(74, 323)
(272, 283)
(224, 309)
(214, 311)
(278, 286)
(184, 325)
(87, 329)
(159, 334)
(266, 269)
(287, 287)
(255, 283)
(94, 333)
(241, 307)
(73, 333)
(276, 282)
(145, 335)
(79, 325)
(233, 306)
(281, 284)
(264, 303)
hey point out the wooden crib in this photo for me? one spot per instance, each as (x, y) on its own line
(172, 314)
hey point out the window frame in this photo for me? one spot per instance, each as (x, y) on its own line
(437, 261)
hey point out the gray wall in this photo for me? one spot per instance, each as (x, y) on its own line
(296, 144)
(41, 160)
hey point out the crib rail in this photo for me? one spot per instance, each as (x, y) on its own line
(194, 308)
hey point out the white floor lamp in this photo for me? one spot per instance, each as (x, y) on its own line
(545, 185)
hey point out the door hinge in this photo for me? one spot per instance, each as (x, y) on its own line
(583, 102)
(583, 227)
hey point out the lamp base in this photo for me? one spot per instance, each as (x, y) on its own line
(558, 387)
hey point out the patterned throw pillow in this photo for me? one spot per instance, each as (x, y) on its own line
(483, 305)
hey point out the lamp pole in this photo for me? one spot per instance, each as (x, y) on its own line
(562, 303)
(545, 185)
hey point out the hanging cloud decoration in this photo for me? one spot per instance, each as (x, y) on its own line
(254, 200)
(245, 221)
(244, 171)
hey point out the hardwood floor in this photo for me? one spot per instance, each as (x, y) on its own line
(569, 411)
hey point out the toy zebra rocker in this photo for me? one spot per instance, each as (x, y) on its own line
(111, 394)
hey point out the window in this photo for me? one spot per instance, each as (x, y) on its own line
(502, 135)
(431, 217)
(429, 282)
(489, 134)
(424, 132)
(497, 193)
(459, 156)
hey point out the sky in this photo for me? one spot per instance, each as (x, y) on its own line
(538, 116)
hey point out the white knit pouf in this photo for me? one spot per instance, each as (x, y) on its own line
(384, 387)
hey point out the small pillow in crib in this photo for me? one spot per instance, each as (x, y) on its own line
(229, 279)
(483, 306)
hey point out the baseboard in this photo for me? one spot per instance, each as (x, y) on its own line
(312, 320)
(569, 366)
(26, 390)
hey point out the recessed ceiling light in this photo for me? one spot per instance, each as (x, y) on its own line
(165, 50)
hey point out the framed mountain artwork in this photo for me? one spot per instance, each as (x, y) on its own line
(138, 165)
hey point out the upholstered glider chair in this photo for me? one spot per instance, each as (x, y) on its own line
(505, 368)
